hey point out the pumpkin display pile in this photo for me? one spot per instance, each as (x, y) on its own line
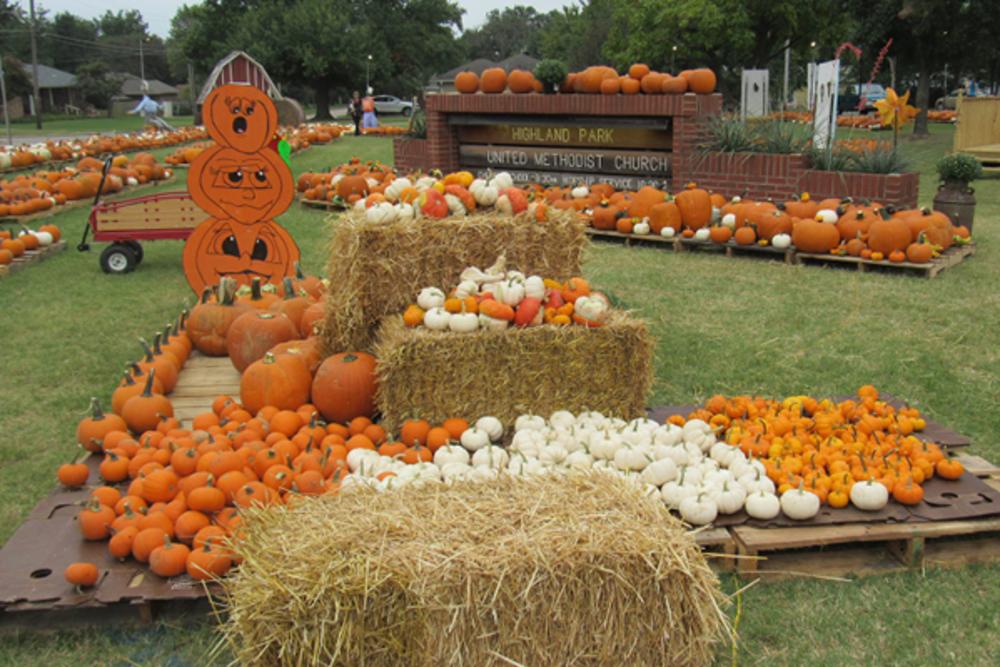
(298, 138)
(597, 80)
(15, 244)
(39, 191)
(27, 156)
(496, 299)
(384, 131)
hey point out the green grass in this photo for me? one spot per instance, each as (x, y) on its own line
(722, 325)
(103, 124)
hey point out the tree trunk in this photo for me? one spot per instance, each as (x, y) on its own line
(322, 90)
(920, 128)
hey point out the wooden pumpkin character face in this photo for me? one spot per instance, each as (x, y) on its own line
(248, 188)
(220, 248)
(241, 117)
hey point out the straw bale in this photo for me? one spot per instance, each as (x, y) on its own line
(376, 269)
(435, 375)
(581, 569)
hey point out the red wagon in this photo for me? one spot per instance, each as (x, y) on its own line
(124, 223)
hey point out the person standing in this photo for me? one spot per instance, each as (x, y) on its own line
(354, 108)
(368, 120)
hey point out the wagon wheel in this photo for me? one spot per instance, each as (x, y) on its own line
(118, 258)
(137, 249)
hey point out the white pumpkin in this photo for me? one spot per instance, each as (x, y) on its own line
(827, 215)
(699, 510)
(44, 239)
(475, 438)
(466, 288)
(491, 456)
(5, 160)
(552, 454)
(383, 212)
(455, 470)
(870, 496)
(562, 419)
(510, 292)
(668, 232)
(450, 454)
(463, 322)
(529, 423)
(591, 308)
(486, 196)
(492, 426)
(492, 323)
(579, 460)
(580, 191)
(781, 241)
(659, 472)
(674, 493)
(396, 188)
(534, 287)
(356, 457)
(703, 234)
(405, 212)
(437, 319)
(502, 181)
(799, 504)
(430, 297)
(729, 220)
(762, 505)
(631, 458)
(731, 498)
(455, 205)
(757, 481)
(641, 228)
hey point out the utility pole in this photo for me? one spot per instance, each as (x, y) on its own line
(3, 98)
(142, 63)
(788, 62)
(191, 91)
(34, 69)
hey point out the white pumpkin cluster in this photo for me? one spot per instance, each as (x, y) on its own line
(45, 239)
(686, 467)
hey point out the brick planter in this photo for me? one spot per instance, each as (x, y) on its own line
(410, 154)
(763, 175)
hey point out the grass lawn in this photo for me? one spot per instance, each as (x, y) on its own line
(722, 325)
(102, 124)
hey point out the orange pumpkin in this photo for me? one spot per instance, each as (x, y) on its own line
(520, 81)
(493, 81)
(467, 82)
(241, 117)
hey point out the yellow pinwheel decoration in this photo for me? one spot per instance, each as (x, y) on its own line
(895, 111)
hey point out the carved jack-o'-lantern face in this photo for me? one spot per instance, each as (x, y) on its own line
(226, 183)
(241, 117)
(220, 248)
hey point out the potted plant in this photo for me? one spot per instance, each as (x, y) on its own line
(954, 196)
(551, 73)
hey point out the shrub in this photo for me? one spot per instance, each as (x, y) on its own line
(959, 167)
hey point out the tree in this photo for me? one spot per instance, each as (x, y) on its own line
(16, 78)
(505, 33)
(70, 41)
(97, 84)
(577, 34)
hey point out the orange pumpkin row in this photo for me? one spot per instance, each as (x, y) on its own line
(593, 80)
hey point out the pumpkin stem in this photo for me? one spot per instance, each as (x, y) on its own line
(127, 378)
(269, 358)
(157, 340)
(95, 409)
(289, 288)
(207, 293)
(255, 293)
(146, 348)
(148, 390)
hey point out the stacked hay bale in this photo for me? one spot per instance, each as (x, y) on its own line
(376, 268)
(436, 375)
(580, 569)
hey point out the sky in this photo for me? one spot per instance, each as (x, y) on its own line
(158, 13)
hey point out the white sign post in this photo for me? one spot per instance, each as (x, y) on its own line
(754, 94)
(825, 105)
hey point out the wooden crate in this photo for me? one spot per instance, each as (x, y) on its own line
(201, 380)
(951, 257)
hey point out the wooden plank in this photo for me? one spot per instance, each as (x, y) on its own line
(978, 123)
(628, 239)
(32, 257)
(200, 381)
(128, 191)
(978, 466)
(951, 257)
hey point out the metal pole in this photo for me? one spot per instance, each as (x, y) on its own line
(3, 98)
(34, 69)
(788, 62)
(142, 62)
(368, 67)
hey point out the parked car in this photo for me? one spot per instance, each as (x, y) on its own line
(949, 101)
(848, 100)
(392, 104)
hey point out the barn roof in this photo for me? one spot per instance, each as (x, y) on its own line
(218, 70)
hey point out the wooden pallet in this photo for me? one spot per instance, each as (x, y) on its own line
(632, 239)
(322, 205)
(32, 256)
(731, 249)
(863, 549)
(951, 257)
(201, 380)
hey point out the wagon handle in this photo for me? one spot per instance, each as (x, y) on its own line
(82, 246)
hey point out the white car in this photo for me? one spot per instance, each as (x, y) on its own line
(392, 104)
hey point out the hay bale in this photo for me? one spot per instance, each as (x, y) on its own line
(375, 270)
(574, 570)
(436, 375)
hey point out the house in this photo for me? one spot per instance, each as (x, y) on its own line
(133, 88)
(445, 81)
(56, 88)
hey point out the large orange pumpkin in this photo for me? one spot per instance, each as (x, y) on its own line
(248, 188)
(519, 81)
(241, 117)
(695, 206)
(701, 81)
(344, 387)
(815, 236)
(493, 81)
(888, 236)
(467, 82)
(219, 248)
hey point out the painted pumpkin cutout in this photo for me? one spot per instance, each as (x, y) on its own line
(241, 117)
(226, 183)
(220, 248)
